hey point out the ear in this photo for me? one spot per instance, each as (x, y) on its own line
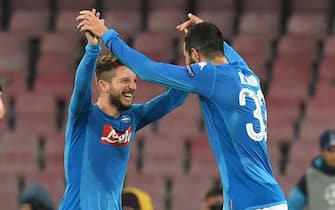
(195, 55)
(102, 85)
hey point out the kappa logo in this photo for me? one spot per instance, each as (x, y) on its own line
(190, 71)
(111, 136)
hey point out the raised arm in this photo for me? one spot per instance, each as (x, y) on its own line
(81, 96)
(232, 55)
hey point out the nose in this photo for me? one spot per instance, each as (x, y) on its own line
(132, 85)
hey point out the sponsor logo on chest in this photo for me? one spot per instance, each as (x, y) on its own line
(111, 136)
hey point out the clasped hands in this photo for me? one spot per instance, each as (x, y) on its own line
(89, 21)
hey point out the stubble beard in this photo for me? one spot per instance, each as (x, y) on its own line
(115, 101)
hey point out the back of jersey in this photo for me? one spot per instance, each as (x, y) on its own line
(235, 116)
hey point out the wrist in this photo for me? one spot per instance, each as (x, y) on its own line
(93, 49)
(109, 35)
(103, 32)
(95, 42)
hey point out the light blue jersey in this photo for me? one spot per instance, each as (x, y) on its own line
(97, 147)
(234, 111)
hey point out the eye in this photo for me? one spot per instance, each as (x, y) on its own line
(125, 80)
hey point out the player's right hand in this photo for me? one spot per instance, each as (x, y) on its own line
(88, 21)
(188, 23)
(91, 38)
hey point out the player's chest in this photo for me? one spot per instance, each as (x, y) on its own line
(114, 132)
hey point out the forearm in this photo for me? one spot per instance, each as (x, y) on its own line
(86, 67)
(161, 105)
(232, 55)
(136, 61)
(84, 76)
(168, 101)
(167, 75)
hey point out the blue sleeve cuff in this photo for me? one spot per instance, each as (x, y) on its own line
(93, 49)
(109, 35)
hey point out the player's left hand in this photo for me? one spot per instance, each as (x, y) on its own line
(91, 38)
(90, 22)
(192, 20)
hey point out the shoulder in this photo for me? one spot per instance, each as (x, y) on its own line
(135, 108)
(317, 162)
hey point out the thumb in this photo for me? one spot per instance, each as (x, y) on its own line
(195, 19)
(190, 15)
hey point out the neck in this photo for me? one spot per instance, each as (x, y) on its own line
(219, 60)
(107, 108)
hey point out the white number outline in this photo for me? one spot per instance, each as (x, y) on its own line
(257, 113)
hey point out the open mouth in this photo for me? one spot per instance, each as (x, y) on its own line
(128, 96)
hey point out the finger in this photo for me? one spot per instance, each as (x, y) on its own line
(84, 28)
(194, 18)
(85, 12)
(183, 30)
(94, 11)
(82, 17)
(89, 33)
(180, 25)
(81, 24)
(184, 25)
(97, 14)
(190, 15)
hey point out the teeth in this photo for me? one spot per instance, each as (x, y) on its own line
(128, 95)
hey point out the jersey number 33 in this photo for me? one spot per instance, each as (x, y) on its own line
(258, 99)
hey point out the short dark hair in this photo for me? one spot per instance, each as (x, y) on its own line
(215, 190)
(37, 205)
(106, 63)
(129, 199)
(38, 198)
(206, 38)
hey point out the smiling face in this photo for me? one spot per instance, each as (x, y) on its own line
(121, 89)
(116, 84)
